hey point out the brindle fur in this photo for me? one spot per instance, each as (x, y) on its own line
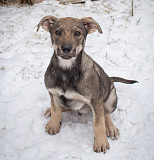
(75, 81)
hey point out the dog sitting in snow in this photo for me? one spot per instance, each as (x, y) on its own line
(76, 82)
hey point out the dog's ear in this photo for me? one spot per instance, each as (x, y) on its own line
(47, 22)
(91, 25)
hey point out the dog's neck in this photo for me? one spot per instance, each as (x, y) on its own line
(66, 78)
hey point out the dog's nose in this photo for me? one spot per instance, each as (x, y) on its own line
(66, 48)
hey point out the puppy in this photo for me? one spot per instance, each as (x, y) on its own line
(76, 82)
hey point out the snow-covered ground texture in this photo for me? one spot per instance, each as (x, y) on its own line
(125, 49)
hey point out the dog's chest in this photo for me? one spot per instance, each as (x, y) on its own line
(67, 79)
(57, 76)
(66, 84)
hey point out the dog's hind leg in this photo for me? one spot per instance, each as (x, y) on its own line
(53, 126)
(111, 130)
(109, 106)
(111, 102)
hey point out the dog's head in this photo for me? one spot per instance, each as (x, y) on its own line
(68, 35)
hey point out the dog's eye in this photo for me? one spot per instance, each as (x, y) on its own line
(58, 33)
(77, 33)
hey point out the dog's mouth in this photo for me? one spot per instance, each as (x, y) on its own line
(66, 56)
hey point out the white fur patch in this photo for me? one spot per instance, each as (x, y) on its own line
(76, 105)
(55, 48)
(74, 96)
(66, 63)
(85, 110)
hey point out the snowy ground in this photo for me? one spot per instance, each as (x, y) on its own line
(125, 49)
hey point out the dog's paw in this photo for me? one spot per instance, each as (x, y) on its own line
(101, 145)
(112, 132)
(47, 113)
(53, 128)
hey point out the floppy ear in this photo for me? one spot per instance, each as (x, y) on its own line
(47, 22)
(91, 25)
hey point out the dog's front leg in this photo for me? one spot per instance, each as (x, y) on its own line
(53, 126)
(100, 139)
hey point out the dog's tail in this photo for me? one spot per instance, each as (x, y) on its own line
(122, 80)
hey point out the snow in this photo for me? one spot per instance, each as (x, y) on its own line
(125, 49)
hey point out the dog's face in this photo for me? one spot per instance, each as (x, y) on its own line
(68, 35)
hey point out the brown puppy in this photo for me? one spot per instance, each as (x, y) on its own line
(75, 81)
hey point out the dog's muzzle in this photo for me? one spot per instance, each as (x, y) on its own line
(66, 49)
